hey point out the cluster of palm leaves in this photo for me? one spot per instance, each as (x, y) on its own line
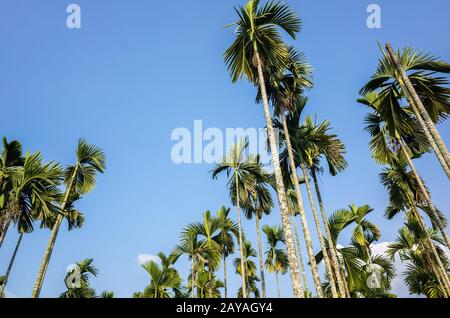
(406, 98)
(35, 192)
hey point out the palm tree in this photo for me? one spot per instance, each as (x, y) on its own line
(107, 294)
(405, 196)
(85, 269)
(311, 142)
(10, 159)
(421, 276)
(242, 174)
(260, 203)
(357, 262)
(257, 49)
(227, 229)
(434, 92)
(79, 179)
(34, 196)
(390, 81)
(395, 134)
(211, 231)
(199, 253)
(250, 269)
(276, 258)
(165, 280)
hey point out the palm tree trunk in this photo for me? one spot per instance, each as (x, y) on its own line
(278, 284)
(337, 269)
(441, 270)
(261, 268)
(300, 255)
(4, 230)
(435, 217)
(422, 115)
(307, 235)
(241, 243)
(8, 271)
(438, 274)
(46, 260)
(326, 258)
(225, 276)
(51, 243)
(193, 277)
(290, 247)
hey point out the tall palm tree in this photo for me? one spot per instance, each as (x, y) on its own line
(86, 269)
(79, 179)
(311, 141)
(257, 49)
(412, 247)
(276, 259)
(357, 261)
(242, 174)
(285, 89)
(227, 229)
(10, 159)
(199, 253)
(405, 196)
(211, 231)
(431, 89)
(395, 134)
(165, 280)
(250, 269)
(34, 196)
(433, 93)
(260, 203)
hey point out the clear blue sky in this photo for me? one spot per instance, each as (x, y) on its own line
(138, 69)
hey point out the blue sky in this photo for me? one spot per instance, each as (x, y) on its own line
(137, 70)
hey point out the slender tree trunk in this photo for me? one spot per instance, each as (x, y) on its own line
(306, 232)
(326, 258)
(193, 277)
(11, 263)
(51, 243)
(435, 217)
(278, 285)
(241, 243)
(300, 255)
(421, 113)
(260, 252)
(438, 274)
(441, 270)
(290, 247)
(47, 255)
(337, 268)
(4, 231)
(225, 276)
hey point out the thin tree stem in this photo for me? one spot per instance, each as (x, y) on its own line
(323, 246)
(241, 243)
(4, 231)
(290, 246)
(260, 253)
(306, 232)
(337, 268)
(225, 276)
(11, 263)
(435, 217)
